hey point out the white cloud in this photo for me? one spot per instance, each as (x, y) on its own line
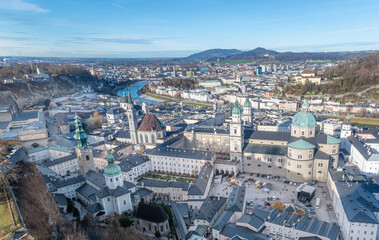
(21, 5)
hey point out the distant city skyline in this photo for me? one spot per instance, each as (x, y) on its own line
(148, 28)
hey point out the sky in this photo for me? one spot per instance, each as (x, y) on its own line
(176, 28)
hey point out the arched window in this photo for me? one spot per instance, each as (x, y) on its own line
(152, 139)
(87, 157)
(235, 131)
(141, 138)
(146, 138)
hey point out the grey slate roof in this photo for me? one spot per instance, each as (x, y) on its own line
(314, 226)
(321, 155)
(236, 199)
(60, 160)
(202, 180)
(274, 136)
(96, 178)
(122, 134)
(252, 220)
(266, 149)
(179, 219)
(209, 208)
(223, 220)
(60, 199)
(359, 204)
(363, 150)
(23, 116)
(231, 230)
(68, 182)
(182, 153)
(94, 208)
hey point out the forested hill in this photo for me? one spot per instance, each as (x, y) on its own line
(356, 74)
(351, 78)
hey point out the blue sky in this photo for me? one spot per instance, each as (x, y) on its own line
(173, 28)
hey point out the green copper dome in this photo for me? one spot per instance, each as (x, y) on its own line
(304, 118)
(236, 109)
(124, 99)
(111, 169)
(247, 103)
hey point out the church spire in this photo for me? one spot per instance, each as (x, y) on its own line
(130, 101)
(80, 135)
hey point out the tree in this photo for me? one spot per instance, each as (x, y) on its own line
(158, 234)
(35, 145)
(95, 121)
(278, 205)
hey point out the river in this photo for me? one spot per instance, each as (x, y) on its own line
(134, 92)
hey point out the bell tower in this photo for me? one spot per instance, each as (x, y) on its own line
(236, 134)
(83, 148)
(132, 119)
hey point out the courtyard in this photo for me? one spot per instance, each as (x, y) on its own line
(285, 192)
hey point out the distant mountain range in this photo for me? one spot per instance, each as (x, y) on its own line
(259, 53)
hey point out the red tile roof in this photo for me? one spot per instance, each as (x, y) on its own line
(150, 122)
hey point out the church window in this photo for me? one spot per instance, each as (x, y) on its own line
(162, 228)
(87, 157)
(146, 138)
(111, 180)
(124, 202)
(235, 131)
(109, 199)
(152, 138)
(235, 148)
(149, 226)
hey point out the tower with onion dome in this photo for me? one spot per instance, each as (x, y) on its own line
(124, 101)
(113, 173)
(247, 113)
(236, 134)
(82, 148)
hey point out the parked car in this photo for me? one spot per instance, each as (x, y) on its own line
(267, 204)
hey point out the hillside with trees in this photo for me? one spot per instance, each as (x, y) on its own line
(64, 79)
(38, 208)
(353, 76)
